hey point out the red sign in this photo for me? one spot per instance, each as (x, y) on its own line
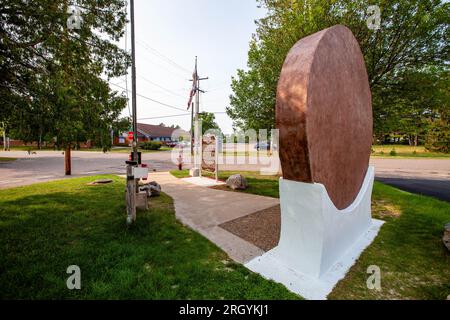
(131, 136)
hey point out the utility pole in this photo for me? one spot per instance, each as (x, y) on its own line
(133, 82)
(197, 170)
(67, 153)
(132, 187)
(192, 129)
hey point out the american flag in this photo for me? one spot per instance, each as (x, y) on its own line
(193, 90)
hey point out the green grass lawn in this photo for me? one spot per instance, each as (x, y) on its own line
(262, 185)
(4, 159)
(400, 151)
(409, 250)
(45, 228)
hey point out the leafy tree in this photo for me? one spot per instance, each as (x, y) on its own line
(415, 99)
(208, 121)
(52, 80)
(412, 35)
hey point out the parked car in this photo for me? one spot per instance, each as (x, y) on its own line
(184, 144)
(264, 145)
(172, 144)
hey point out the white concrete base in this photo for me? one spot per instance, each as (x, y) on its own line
(194, 172)
(318, 243)
(203, 181)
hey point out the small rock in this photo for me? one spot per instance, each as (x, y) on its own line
(446, 237)
(237, 182)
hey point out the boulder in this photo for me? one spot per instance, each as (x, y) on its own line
(153, 189)
(446, 237)
(237, 182)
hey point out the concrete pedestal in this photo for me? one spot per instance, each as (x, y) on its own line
(141, 200)
(318, 242)
(194, 172)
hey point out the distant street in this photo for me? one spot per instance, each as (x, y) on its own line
(49, 165)
(429, 177)
(424, 176)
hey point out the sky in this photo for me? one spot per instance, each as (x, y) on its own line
(169, 34)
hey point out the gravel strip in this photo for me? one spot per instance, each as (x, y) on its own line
(261, 228)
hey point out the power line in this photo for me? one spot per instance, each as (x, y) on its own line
(161, 117)
(161, 87)
(178, 75)
(150, 99)
(175, 115)
(159, 54)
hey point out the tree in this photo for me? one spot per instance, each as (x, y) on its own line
(416, 98)
(208, 121)
(412, 35)
(53, 77)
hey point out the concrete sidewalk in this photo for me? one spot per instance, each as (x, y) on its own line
(204, 209)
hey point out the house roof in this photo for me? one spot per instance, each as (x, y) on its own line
(155, 131)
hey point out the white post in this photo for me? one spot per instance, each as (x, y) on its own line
(197, 137)
(4, 137)
(216, 153)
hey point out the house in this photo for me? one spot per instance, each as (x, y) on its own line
(149, 132)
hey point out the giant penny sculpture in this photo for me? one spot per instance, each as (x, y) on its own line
(324, 114)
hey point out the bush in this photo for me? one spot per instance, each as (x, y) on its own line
(151, 145)
(393, 153)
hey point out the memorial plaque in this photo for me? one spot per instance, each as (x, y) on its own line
(209, 153)
(324, 114)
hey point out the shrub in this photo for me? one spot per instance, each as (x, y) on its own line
(393, 153)
(151, 145)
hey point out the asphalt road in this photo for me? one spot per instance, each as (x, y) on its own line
(439, 189)
(424, 176)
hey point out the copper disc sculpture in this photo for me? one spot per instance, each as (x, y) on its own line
(324, 114)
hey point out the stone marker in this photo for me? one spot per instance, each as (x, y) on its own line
(153, 189)
(237, 182)
(324, 114)
(324, 117)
